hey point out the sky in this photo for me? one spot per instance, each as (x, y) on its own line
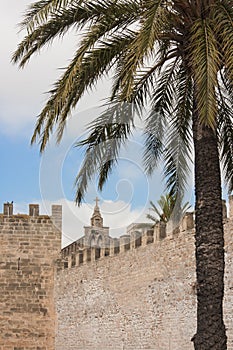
(27, 177)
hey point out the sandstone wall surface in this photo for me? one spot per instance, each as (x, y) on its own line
(29, 248)
(143, 298)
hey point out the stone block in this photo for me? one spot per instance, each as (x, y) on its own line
(34, 209)
(8, 209)
(114, 247)
(187, 222)
(124, 243)
(160, 231)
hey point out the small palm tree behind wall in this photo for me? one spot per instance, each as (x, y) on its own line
(165, 207)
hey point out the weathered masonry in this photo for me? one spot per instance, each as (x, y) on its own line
(137, 293)
(101, 293)
(29, 249)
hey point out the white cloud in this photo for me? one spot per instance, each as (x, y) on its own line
(22, 92)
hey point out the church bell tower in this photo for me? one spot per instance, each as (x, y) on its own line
(96, 219)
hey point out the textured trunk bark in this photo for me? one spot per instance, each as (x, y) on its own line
(211, 333)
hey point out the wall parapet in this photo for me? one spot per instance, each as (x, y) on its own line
(133, 239)
(76, 254)
(33, 216)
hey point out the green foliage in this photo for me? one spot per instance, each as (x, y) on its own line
(160, 52)
(165, 208)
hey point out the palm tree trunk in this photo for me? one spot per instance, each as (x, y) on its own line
(209, 240)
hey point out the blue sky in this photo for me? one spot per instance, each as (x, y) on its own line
(19, 164)
(28, 177)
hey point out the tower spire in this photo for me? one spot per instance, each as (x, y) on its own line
(96, 202)
(96, 219)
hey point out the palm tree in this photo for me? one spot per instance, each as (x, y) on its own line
(165, 208)
(177, 58)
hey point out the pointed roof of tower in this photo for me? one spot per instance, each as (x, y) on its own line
(96, 219)
(96, 205)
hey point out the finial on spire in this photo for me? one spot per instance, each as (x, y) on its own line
(96, 201)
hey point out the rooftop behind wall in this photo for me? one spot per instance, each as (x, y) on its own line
(29, 249)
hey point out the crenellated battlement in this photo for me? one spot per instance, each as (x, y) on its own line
(33, 215)
(77, 254)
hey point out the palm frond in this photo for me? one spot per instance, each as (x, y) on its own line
(223, 19)
(156, 123)
(98, 16)
(161, 51)
(38, 12)
(205, 63)
(176, 168)
(46, 33)
(145, 80)
(181, 117)
(177, 153)
(70, 88)
(168, 206)
(140, 49)
(152, 218)
(225, 136)
(107, 133)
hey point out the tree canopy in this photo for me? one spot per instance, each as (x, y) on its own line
(158, 52)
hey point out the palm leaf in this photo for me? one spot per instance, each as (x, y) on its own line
(39, 12)
(166, 205)
(77, 14)
(225, 136)
(68, 91)
(205, 63)
(107, 133)
(156, 123)
(223, 19)
(140, 49)
(177, 152)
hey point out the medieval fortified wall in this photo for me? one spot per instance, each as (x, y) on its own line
(137, 293)
(29, 248)
(99, 293)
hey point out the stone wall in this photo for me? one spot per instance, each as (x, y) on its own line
(138, 293)
(139, 298)
(29, 249)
